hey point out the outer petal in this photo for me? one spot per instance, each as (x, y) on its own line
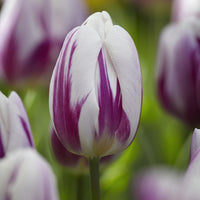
(123, 55)
(25, 175)
(15, 131)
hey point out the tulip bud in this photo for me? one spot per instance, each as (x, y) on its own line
(96, 89)
(32, 33)
(25, 175)
(183, 9)
(178, 77)
(15, 131)
(157, 184)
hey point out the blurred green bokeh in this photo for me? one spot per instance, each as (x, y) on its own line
(161, 139)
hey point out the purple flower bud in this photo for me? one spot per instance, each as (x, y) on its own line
(157, 184)
(96, 89)
(25, 175)
(32, 32)
(183, 9)
(178, 70)
(68, 159)
(15, 131)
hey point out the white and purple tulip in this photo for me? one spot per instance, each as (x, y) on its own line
(32, 33)
(25, 175)
(178, 78)
(15, 131)
(182, 9)
(96, 89)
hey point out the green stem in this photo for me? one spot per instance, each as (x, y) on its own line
(79, 195)
(94, 178)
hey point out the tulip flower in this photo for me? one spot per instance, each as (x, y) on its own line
(157, 184)
(25, 175)
(183, 9)
(15, 131)
(32, 32)
(96, 89)
(178, 78)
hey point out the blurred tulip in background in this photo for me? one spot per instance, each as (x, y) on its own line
(178, 78)
(169, 184)
(96, 89)
(183, 9)
(32, 32)
(159, 183)
(15, 130)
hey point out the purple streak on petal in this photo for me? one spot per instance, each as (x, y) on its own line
(11, 180)
(112, 118)
(2, 152)
(26, 130)
(124, 129)
(66, 116)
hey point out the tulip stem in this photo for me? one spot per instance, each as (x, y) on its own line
(94, 178)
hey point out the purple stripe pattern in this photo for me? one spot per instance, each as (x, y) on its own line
(112, 118)
(26, 130)
(87, 92)
(178, 79)
(66, 123)
(2, 152)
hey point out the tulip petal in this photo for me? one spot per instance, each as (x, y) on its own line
(123, 55)
(83, 70)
